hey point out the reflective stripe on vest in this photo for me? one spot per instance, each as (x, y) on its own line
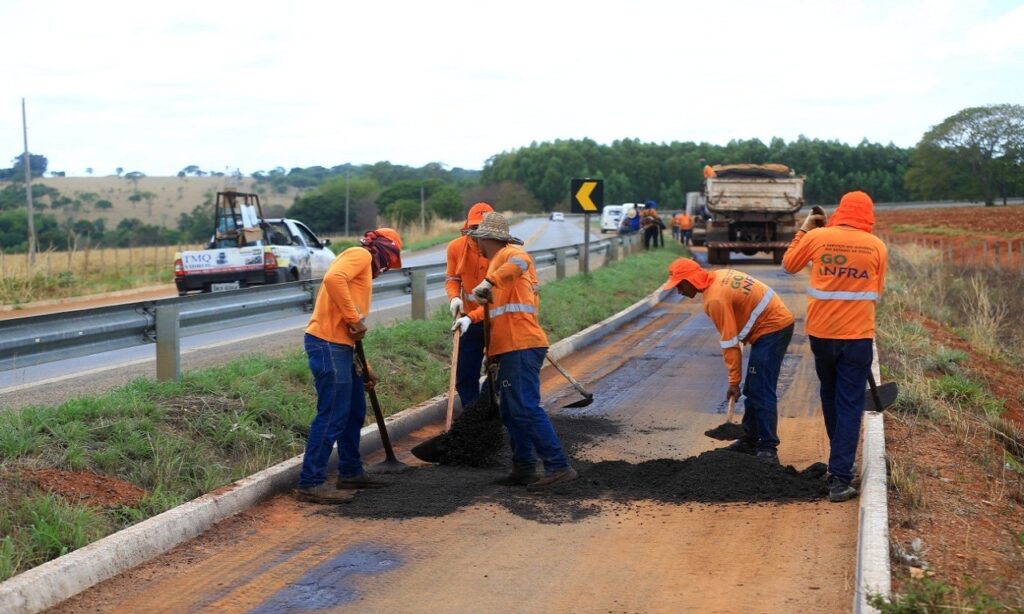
(453, 277)
(513, 308)
(519, 262)
(824, 295)
(754, 315)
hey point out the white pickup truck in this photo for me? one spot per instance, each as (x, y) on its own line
(249, 250)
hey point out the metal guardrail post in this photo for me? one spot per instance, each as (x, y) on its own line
(559, 264)
(419, 295)
(612, 254)
(168, 344)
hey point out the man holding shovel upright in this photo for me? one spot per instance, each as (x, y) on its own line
(338, 322)
(467, 267)
(847, 275)
(744, 310)
(508, 295)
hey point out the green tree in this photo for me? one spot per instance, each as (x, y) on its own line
(323, 208)
(977, 152)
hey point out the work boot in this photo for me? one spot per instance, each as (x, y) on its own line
(768, 456)
(743, 446)
(522, 474)
(552, 479)
(322, 493)
(360, 482)
(839, 490)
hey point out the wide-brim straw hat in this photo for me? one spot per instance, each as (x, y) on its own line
(494, 226)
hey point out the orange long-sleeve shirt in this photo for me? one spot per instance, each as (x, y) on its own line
(515, 309)
(743, 310)
(685, 221)
(467, 267)
(344, 297)
(847, 277)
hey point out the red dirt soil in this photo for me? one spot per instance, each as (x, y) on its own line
(987, 233)
(1001, 222)
(86, 488)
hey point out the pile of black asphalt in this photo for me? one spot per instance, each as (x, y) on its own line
(474, 475)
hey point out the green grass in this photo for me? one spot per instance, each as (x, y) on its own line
(931, 596)
(178, 440)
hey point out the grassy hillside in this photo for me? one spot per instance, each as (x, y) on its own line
(171, 196)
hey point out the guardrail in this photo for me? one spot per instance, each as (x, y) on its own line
(39, 339)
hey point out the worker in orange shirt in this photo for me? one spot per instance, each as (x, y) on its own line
(337, 323)
(685, 228)
(744, 310)
(848, 266)
(518, 343)
(675, 226)
(709, 172)
(467, 267)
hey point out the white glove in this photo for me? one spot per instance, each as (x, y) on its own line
(482, 293)
(455, 306)
(462, 324)
(815, 219)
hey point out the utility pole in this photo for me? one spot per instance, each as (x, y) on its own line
(423, 211)
(28, 190)
(347, 172)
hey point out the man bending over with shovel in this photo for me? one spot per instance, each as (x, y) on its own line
(744, 310)
(337, 323)
(508, 298)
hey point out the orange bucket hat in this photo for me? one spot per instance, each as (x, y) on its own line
(855, 209)
(685, 269)
(476, 214)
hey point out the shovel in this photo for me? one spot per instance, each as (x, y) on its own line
(588, 397)
(390, 464)
(431, 450)
(451, 382)
(880, 398)
(728, 430)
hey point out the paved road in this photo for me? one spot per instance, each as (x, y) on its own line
(662, 380)
(538, 233)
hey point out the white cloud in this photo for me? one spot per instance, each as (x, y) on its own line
(255, 85)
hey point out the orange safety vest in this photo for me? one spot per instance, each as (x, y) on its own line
(847, 276)
(344, 297)
(467, 267)
(514, 311)
(743, 310)
(685, 222)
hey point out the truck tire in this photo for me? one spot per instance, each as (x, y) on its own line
(723, 255)
(777, 255)
(712, 255)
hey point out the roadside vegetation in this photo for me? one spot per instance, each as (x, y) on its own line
(178, 440)
(952, 338)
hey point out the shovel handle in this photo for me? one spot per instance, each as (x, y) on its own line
(874, 391)
(378, 415)
(732, 407)
(451, 381)
(572, 380)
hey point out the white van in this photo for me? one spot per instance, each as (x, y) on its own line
(611, 215)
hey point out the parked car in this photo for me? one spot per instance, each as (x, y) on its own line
(557, 216)
(611, 215)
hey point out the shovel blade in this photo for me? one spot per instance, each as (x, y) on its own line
(581, 403)
(887, 394)
(430, 451)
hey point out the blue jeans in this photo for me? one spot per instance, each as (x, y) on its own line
(340, 411)
(843, 366)
(761, 407)
(467, 372)
(530, 431)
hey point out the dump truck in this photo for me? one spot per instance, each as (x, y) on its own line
(752, 208)
(247, 249)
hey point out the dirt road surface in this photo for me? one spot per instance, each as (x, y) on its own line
(472, 546)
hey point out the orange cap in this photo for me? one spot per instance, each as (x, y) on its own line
(855, 209)
(685, 269)
(391, 234)
(476, 214)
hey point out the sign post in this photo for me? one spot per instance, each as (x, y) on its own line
(587, 198)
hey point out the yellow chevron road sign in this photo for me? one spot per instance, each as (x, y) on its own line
(587, 195)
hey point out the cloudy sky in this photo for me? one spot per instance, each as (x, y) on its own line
(157, 86)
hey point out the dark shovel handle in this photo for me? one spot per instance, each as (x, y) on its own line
(377, 413)
(874, 391)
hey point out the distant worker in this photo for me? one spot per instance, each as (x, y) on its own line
(744, 310)
(650, 224)
(652, 206)
(848, 266)
(685, 228)
(675, 226)
(709, 172)
(519, 344)
(634, 218)
(467, 267)
(337, 323)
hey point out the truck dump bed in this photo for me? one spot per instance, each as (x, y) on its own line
(755, 194)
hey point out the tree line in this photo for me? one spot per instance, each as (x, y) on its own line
(976, 154)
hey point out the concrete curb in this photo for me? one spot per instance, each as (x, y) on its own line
(873, 570)
(52, 582)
